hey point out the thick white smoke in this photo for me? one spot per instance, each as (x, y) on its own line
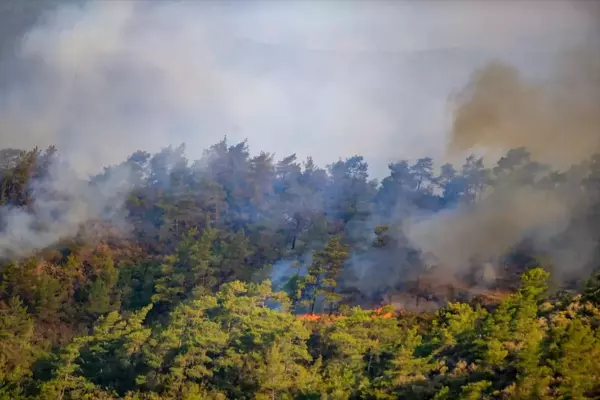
(103, 79)
(62, 204)
(557, 120)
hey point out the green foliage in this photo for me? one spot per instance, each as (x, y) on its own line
(475, 390)
(592, 290)
(324, 271)
(190, 271)
(177, 309)
(231, 344)
(17, 349)
(102, 295)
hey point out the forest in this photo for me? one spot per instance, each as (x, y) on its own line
(239, 276)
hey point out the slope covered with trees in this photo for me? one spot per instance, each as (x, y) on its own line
(192, 280)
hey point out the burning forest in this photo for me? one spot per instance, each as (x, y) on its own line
(344, 240)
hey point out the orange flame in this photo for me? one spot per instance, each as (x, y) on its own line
(319, 317)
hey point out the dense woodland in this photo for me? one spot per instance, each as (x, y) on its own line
(168, 290)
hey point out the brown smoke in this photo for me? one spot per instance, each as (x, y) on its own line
(557, 119)
(487, 230)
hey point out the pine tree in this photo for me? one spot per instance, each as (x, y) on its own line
(324, 271)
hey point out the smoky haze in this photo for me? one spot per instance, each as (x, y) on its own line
(103, 79)
(557, 120)
(359, 78)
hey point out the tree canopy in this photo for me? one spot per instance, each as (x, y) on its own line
(239, 276)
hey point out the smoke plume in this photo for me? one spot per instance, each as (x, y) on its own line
(558, 122)
(368, 78)
(491, 227)
(62, 204)
(103, 79)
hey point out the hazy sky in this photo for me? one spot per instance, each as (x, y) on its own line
(327, 79)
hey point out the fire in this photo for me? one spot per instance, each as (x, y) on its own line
(309, 317)
(377, 313)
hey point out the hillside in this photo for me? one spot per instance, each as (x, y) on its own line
(236, 276)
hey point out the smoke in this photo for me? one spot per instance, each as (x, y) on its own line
(558, 122)
(101, 80)
(491, 227)
(365, 78)
(283, 270)
(63, 204)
